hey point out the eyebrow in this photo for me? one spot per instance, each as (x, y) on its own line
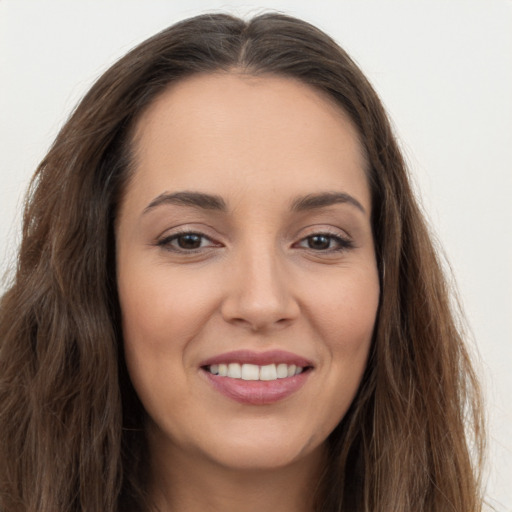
(324, 199)
(214, 202)
(194, 199)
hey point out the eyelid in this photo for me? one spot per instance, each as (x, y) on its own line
(345, 241)
(165, 241)
(343, 244)
(322, 229)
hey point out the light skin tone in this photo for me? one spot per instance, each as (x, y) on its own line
(246, 226)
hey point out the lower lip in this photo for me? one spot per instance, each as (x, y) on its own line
(257, 392)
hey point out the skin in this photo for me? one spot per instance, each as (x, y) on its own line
(257, 281)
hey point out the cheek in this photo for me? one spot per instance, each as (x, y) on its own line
(159, 306)
(344, 316)
(157, 322)
(345, 309)
(163, 313)
(160, 316)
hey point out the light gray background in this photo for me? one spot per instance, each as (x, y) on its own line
(443, 70)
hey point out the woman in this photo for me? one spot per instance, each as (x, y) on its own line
(227, 298)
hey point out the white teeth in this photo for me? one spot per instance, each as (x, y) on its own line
(268, 372)
(255, 372)
(234, 371)
(250, 372)
(282, 371)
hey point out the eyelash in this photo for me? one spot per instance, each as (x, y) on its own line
(167, 241)
(343, 244)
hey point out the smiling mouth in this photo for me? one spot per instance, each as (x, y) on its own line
(255, 372)
(257, 378)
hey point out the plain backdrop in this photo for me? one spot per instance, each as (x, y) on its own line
(443, 70)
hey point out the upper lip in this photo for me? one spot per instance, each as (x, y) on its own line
(258, 358)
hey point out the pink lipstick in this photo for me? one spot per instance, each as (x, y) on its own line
(257, 378)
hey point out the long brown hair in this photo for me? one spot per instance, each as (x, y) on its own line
(71, 426)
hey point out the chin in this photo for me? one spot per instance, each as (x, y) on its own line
(262, 451)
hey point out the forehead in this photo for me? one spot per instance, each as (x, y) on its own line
(257, 130)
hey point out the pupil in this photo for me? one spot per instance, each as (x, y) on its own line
(319, 242)
(190, 241)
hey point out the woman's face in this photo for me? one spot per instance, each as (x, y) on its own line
(246, 270)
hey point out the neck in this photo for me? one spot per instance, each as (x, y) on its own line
(185, 483)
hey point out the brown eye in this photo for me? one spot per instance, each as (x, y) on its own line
(186, 242)
(189, 241)
(319, 242)
(325, 242)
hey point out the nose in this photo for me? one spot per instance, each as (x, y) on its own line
(259, 293)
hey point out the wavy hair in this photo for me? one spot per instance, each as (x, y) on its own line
(71, 426)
